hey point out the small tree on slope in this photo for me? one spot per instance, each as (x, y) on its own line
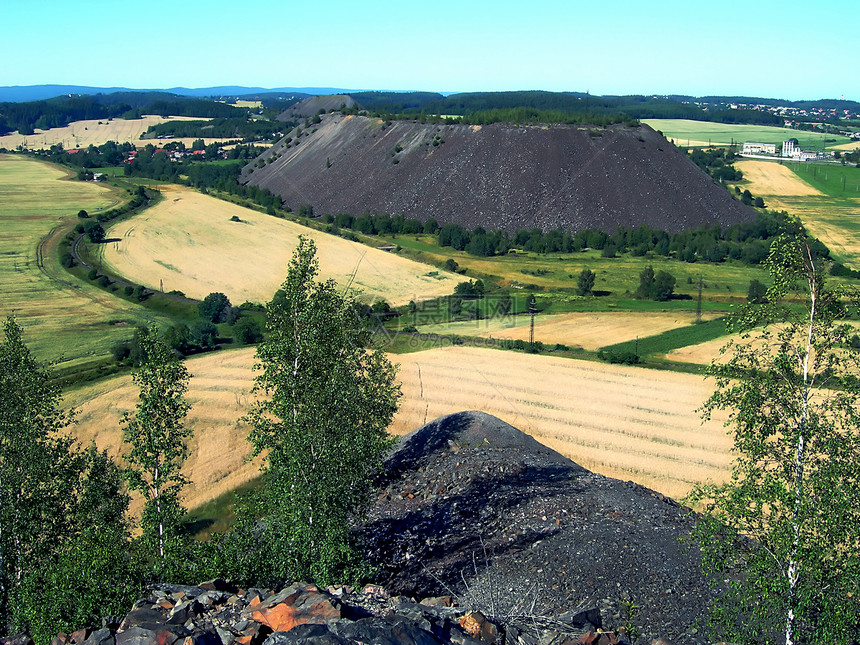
(157, 438)
(784, 532)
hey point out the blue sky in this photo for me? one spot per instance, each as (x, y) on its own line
(784, 49)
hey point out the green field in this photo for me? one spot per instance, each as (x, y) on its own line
(836, 181)
(703, 133)
(64, 320)
(616, 278)
(673, 339)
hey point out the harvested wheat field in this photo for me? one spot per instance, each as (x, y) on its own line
(773, 179)
(624, 422)
(630, 423)
(703, 353)
(81, 134)
(218, 394)
(593, 330)
(189, 243)
(850, 147)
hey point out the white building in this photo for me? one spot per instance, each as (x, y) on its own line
(791, 148)
(759, 148)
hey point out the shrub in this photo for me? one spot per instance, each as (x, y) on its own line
(214, 307)
(623, 357)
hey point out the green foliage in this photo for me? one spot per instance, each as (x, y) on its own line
(782, 534)
(585, 282)
(94, 231)
(35, 494)
(470, 289)
(326, 403)
(658, 287)
(622, 357)
(157, 436)
(214, 307)
(646, 283)
(247, 331)
(757, 293)
(63, 531)
(204, 334)
(664, 286)
(91, 577)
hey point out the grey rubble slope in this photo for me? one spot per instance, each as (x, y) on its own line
(470, 504)
(312, 105)
(497, 176)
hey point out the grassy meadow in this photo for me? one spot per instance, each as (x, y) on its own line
(698, 134)
(190, 242)
(626, 422)
(616, 277)
(64, 320)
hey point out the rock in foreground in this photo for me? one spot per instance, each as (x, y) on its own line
(215, 613)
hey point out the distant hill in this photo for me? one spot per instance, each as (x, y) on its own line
(18, 93)
(497, 176)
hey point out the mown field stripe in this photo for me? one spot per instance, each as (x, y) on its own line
(673, 339)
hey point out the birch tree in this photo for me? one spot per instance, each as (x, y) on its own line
(63, 530)
(157, 436)
(325, 404)
(784, 533)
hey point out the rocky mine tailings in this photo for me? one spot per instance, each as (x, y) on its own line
(497, 176)
(480, 535)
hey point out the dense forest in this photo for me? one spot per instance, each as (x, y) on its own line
(475, 107)
(58, 112)
(747, 242)
(619, 108)
(223, 128)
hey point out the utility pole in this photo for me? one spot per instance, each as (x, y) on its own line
(699, 303)
(532, 311)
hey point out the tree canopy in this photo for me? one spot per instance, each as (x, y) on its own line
(782, 534)
(326, 401)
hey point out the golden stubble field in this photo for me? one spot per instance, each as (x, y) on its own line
(631, 423)
(63, 319)
(593, 330)
(189, 243)
(81, 134)
(834, 222)
(774, 180)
